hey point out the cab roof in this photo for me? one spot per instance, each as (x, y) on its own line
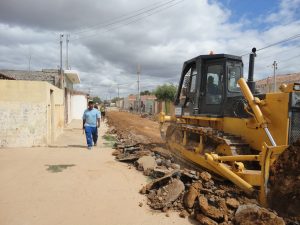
(214, 56)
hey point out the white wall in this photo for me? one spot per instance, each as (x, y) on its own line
(78, 105)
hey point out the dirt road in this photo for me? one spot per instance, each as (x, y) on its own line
(70, 185)
(144, 129)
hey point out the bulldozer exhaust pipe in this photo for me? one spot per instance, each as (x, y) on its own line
(250, 80)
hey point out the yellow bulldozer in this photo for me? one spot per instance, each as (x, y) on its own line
(223, 124)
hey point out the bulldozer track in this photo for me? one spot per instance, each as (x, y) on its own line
(236, 144)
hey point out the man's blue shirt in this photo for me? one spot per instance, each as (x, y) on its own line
(90, 117)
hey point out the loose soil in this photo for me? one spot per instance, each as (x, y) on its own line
(285, 182)
(145, 131)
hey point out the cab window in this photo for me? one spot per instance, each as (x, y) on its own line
(185, 87)
(234, 74)
(214, 84)
(193, 80)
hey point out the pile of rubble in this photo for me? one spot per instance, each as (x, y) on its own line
(191, 193)
(285, 181)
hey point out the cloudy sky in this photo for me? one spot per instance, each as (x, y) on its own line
(108, 38)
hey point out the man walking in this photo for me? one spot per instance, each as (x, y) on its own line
(102, 110)
(91, 123)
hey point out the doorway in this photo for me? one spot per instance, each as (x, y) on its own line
(52, 108)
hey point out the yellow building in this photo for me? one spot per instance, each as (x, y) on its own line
(36, 105)
(31, 113)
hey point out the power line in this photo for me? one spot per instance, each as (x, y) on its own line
(278, 52)
(282, 25)
(291, 58)
(125, 16)
(133, 21)
(276, 43)
(288, 59)
(283, 68)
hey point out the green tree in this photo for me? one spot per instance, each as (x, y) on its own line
(97, 100)
(166, 93)
(146, 92)
(114, 100)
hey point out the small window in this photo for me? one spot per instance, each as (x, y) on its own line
(193, 83)
(214, 84)
(185, 86)
(234, 74)
(193, 80)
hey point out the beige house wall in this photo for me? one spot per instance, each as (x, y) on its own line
(28, 116)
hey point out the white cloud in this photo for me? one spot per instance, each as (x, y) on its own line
(160, 43)
(288, 11)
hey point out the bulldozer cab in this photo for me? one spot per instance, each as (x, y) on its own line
(206, 84)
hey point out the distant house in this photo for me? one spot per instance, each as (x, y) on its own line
(148, 103)
(129, 102)
(267, 84)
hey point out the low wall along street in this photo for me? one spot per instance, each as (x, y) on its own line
(31, 113)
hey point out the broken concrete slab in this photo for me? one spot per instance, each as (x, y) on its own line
(175, 166)
(210, 211)
(192, 194)
(142, 153)
(163, 152)
(146, 163)
(159, 172)
(188, 175)
(232, 203)
(132, 149)
(166, 195)
(127, 157)
(252, 214)
(161, 181)
(205, 220)
(205, 176)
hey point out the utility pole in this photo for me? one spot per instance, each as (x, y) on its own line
(60, 68)
(138, 82)
(67, 51)
(274, 75)
(268, 84)
(118, 91)
(29, 63)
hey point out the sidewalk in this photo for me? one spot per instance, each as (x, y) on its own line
(92, 188)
